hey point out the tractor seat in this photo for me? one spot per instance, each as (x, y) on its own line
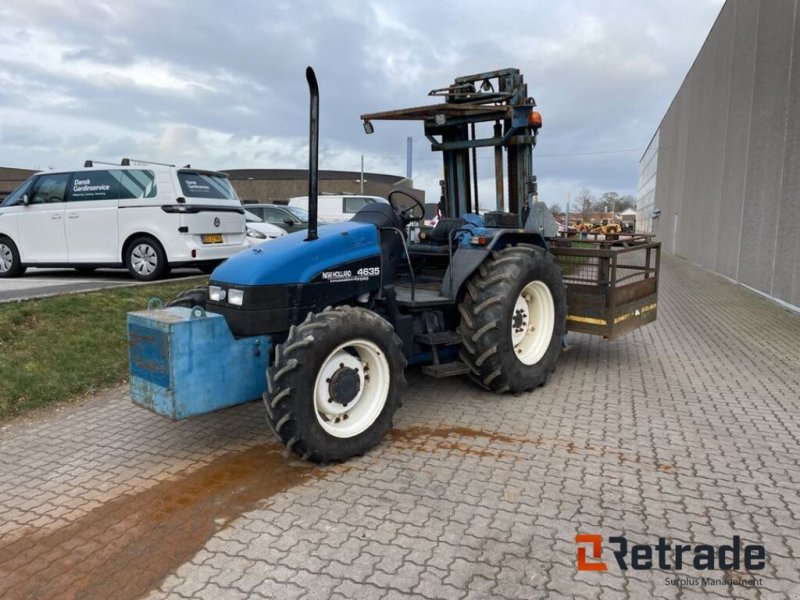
(379, 214)
(445, 226)
(435, 242)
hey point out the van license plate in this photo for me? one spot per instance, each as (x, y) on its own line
(212, 238)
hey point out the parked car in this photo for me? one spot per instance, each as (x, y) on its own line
(258, 231)
(147, 218)
(335, 209)
(290, 218)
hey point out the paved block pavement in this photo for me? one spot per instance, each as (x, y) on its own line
(687, 429)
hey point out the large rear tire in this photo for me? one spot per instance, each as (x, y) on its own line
(513, 318)
(335, 383)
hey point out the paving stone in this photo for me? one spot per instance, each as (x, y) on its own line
(688, 429)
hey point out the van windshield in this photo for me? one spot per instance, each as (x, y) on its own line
(14, 197)
(206, 185)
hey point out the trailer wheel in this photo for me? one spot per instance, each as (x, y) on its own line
(335, 384)
(513, 318)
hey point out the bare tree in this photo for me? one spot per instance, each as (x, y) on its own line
(613, 202)
(584, 200)
(556, 210)
(626, 202)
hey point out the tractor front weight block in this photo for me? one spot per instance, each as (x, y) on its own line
(186, 362)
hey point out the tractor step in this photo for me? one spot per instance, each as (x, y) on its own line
(446, 369)
(439, 338)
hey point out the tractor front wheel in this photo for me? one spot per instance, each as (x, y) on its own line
(335, 384)
(513, 318)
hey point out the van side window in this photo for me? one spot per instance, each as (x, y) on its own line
(93, 185)
(352, 205)
(49, 188)
(135, 183)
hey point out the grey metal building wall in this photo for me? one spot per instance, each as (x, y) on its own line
(646, 197)
(728, 175)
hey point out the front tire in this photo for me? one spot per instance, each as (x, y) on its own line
(335, 384)
(145, 259)
(10, 263)
(513, 318)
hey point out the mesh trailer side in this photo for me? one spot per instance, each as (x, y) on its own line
(612, 284)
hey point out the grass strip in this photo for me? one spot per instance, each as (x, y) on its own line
(55, 349)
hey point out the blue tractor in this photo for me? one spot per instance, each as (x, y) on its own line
(336, 314)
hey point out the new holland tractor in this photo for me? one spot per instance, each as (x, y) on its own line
(325, 322)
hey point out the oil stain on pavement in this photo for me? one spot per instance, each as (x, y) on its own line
(126, 547)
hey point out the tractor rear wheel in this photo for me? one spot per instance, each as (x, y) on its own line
(513, 318)
(334, 385)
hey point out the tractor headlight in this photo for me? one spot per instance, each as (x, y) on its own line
(235, 297)
(216, 293)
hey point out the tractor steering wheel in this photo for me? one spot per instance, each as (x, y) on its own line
(407, 214)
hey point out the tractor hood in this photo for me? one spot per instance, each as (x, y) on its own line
(292, 260)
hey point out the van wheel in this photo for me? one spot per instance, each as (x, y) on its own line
(10, 264)
(145, 259)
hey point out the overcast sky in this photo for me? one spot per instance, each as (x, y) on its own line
(221, 84)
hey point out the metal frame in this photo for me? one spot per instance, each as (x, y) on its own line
(499, 97)
(616, 290)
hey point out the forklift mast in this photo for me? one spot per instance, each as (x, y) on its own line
(490, 109)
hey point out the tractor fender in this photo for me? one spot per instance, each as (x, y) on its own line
(515, 237)
(467, 260)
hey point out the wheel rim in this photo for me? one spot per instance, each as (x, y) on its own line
(351, 388)
(6, 258)
(532, 322)
(144, 259)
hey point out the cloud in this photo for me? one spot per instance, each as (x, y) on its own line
(221, 84)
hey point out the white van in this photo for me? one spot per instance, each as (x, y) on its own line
(335, 209)
(147, 218)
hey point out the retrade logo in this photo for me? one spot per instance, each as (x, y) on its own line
(597, 550)
(666, 556)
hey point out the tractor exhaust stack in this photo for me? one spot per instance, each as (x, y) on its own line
(313, 155)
